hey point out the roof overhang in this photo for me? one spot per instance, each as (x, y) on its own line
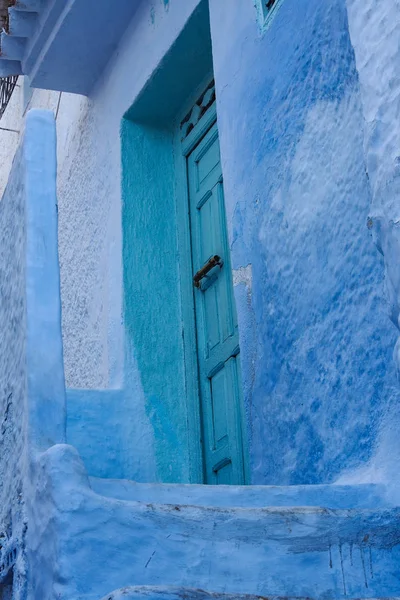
(63, 45)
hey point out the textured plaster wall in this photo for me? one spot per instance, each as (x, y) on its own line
(316, 342)
(12, 354)
(89, 192)
(151, 294)
(10, 126)
(153, 261)
(374, 35)
(67, 109)
(12, 122)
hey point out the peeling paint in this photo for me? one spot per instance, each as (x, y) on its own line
(243, 275)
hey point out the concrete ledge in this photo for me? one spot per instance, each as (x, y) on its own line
(104, 544)
(175, 593)
(44, 350)
(327, 496)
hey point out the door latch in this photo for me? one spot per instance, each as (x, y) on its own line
(214, 261)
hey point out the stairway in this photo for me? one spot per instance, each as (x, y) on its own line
(23, 22)
(165, 593)
(235, 541)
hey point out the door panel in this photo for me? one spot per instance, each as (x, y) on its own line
(208, 160)
(216, 321)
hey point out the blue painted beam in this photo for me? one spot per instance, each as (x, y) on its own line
(68, 44)
(72, 56)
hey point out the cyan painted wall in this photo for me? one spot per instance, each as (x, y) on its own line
(153, 323)
(316, 340)
(154, 260)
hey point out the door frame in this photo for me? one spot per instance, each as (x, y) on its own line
(184, 251)
(182, 149)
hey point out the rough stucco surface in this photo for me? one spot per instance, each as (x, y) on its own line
(316, 342)
(12, 353)
(223, 496)
(174, 593)
(90, 247)
(308, 275)
(85, 220)
(374, 35)
(83, 266)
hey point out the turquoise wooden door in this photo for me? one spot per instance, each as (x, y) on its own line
(216, 321)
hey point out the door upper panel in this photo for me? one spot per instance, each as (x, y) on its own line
(207, 211)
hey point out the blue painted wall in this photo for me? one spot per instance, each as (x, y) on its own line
(316, 340)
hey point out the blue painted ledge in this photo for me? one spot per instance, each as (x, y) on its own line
(329, 496)
(44, 351)
(108, 544)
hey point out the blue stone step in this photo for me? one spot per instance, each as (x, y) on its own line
(176, 593)
(227, 540)
(9, 67)
(328, 496)
(12, 47)
(22, 22)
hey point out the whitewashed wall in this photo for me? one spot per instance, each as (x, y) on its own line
(89, 198)
(10, 127)
(67, 109)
